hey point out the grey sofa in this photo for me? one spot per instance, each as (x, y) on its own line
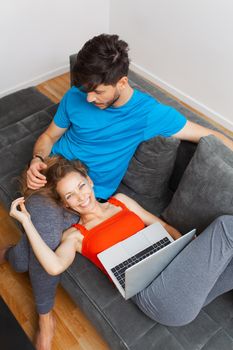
(165, 176)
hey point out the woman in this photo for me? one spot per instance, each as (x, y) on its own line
(200, 273)
(69, 185)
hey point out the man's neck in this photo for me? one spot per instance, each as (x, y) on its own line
(125, 96)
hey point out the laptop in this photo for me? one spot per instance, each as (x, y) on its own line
(136, 261)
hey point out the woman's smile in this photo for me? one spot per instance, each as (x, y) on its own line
(85, 203)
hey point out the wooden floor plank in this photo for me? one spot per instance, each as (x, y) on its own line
(43, 89)
(55, 88)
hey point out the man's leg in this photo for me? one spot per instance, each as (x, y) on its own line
(50, 220)
(18, 255)
(199, 273)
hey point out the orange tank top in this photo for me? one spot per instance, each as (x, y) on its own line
(118, 227)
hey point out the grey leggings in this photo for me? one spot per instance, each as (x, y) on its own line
(50, 221)
(201, 272)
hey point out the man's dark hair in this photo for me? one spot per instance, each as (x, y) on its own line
(102, 60)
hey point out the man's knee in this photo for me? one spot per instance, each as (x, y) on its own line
(47, 218)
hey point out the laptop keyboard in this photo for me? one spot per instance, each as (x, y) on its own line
(119, 270)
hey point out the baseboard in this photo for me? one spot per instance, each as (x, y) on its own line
(209, 113)
(37, 80)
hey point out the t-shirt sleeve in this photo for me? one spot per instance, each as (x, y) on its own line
(61, 118)
(164, 121)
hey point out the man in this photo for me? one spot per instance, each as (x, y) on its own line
(101, 121)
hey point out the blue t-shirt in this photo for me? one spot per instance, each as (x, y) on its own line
(105, 140)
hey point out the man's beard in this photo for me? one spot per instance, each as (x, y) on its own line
(109, 103)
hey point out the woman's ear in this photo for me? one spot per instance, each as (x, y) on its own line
(90, 181)
(64, 204)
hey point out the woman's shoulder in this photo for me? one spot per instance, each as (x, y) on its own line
(120, 196)
(130, 203)
(127, 201)
(71, 233)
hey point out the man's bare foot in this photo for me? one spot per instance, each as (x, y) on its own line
(3, 253)
(46, 331)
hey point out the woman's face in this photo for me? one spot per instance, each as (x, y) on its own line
(76, 192)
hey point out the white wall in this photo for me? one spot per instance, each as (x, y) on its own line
(184, 46)
(37, 37)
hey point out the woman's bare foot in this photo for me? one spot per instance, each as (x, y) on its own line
(46, 331)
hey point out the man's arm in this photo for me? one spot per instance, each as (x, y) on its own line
(42, 148)
(193, 132)
(46, 140)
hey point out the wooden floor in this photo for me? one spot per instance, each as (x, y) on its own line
(74, 331)
(55, 88)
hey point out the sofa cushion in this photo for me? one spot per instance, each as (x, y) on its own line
(149, 171)
(203, 193)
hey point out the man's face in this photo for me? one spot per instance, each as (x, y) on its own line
(104, 96)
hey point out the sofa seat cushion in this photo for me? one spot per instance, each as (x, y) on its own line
(203, 193)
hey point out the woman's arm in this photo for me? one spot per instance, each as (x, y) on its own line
(53, 262)
(145, 215)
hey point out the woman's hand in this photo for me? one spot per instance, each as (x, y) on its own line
(19, 211)
(172, 231)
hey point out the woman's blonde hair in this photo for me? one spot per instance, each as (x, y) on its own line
(57, 168)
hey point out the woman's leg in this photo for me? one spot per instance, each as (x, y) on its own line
(193, 278)
(223, 284)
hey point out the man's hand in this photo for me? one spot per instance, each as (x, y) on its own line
(35, 179)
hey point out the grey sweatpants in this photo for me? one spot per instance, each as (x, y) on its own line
(201, 272)
(50, 221)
